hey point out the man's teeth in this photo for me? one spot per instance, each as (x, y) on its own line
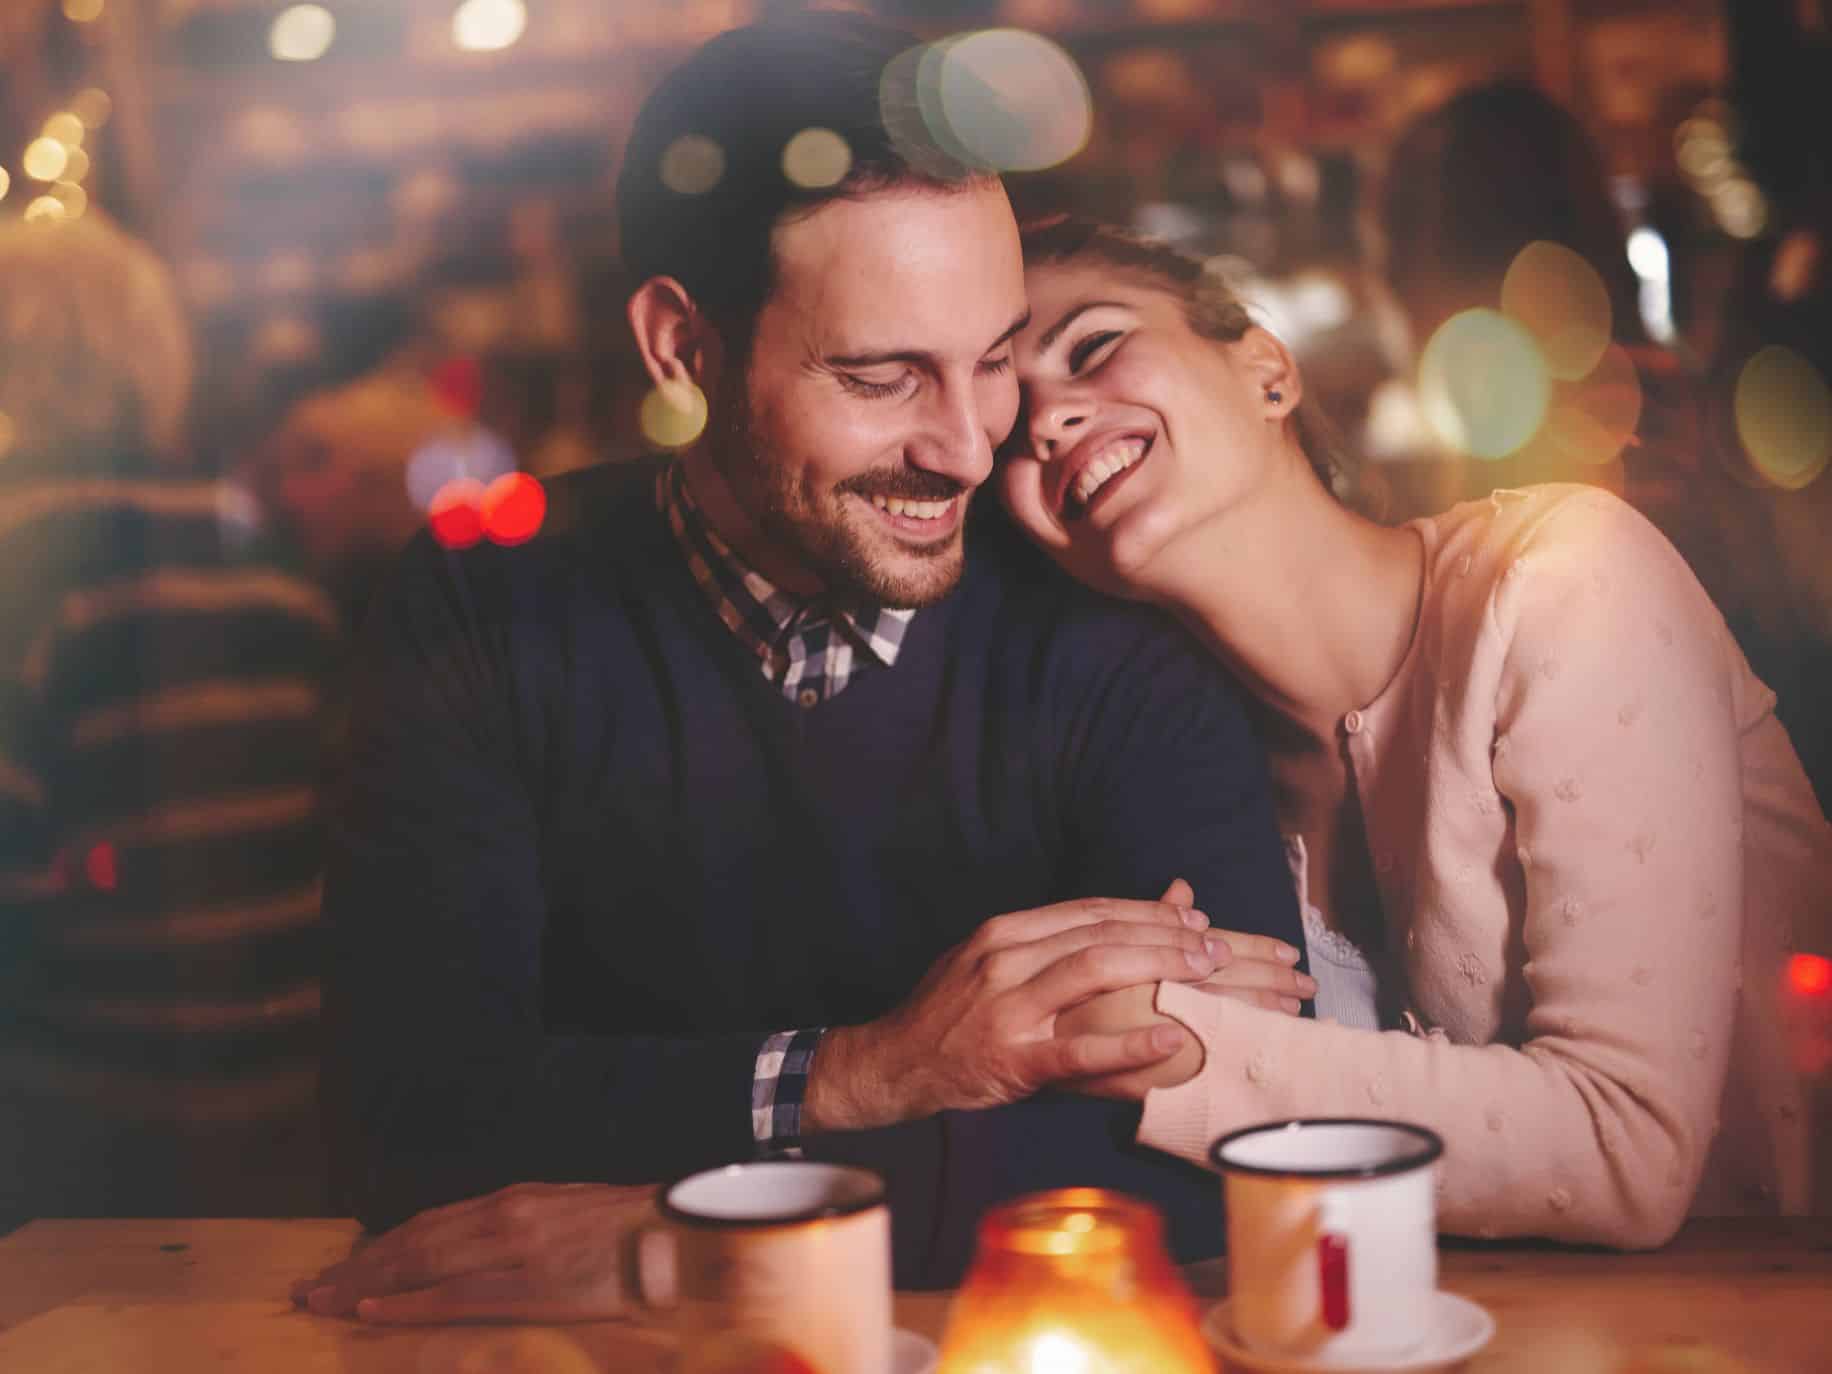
(1113, 460)
(913, 510)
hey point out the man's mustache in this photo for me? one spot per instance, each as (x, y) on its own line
(903, 484)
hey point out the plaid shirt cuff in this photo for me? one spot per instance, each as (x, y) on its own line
(777, 1088)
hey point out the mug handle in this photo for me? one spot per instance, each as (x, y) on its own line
(1333, 1264)
(651, 1267)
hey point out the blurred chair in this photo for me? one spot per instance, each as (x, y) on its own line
(160, 689)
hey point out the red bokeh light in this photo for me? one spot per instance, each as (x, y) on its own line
(513, 508)
(100, 868)
(1810, 975)
(457, 386)
(456, 514)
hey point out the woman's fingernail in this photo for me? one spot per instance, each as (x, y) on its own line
(1287, 954)
(1201, 963)
(1194, 919)
(1291, 1004)
(1167, 1039)
(1218, 949)
(1307, 985)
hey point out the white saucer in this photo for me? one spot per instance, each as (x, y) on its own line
(912, 1352)
(1459, 1329)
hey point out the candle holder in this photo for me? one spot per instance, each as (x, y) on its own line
(1073, 1281)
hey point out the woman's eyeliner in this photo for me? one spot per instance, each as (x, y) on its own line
(1089, 346)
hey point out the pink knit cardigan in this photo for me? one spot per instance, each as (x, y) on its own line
(1595, 846)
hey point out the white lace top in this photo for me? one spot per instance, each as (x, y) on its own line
(1349, 981)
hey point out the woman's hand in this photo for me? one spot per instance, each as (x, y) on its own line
(1261, 973)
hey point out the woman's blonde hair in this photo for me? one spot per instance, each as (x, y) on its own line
(1210, 304)
(95, 355)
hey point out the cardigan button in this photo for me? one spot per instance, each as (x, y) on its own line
(1352, 722)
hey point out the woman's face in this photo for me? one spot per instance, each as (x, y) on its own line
(1134, 428)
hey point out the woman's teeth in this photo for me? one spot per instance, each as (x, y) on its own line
(913, 510)
(1115, 460)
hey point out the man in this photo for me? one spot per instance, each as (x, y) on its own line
(738, 749)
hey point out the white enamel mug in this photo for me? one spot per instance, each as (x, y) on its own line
(782, 1258)
(1332, 1236)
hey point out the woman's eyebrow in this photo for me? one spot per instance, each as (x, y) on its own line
(1054, 332)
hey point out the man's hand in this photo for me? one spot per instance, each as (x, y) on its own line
(1262, 973)
(543, 1252)
(981, 1028)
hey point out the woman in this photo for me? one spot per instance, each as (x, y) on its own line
(1542, 821)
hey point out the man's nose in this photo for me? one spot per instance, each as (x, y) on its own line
(960, 446)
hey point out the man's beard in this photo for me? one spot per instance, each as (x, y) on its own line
(828, 544)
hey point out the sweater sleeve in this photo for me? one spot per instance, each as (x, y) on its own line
(1616, 749)
(442, 1079)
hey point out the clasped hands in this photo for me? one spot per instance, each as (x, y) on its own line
(1057, 996)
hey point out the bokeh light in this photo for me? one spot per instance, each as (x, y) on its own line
(101, 867)
(456, 513)
(66, 128)
(1783, 415)
(92, 105)
(816, 158)
(692, 165)
(474, 453)
(1014, 101)
(83, 11)
(72, 197)
(457, 386)
(667, 425)
(45, 159)
(76, 167)
(1810, 975)
(514, 506)
(301, 33)
(1647, 254)
(1483, 385)
(46, 209)
(1740, 207)
(6, 182)
(488, 25)
(1591, 421)
(1562, 301)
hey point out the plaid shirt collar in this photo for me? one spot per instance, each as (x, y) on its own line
(809, 648)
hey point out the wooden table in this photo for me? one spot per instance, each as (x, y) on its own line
(194, 1297)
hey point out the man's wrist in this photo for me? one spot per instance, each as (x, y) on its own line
(846, 1091)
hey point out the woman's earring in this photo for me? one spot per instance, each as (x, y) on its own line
(674, 415)
(1274, 395)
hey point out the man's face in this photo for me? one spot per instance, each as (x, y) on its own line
(878, 384)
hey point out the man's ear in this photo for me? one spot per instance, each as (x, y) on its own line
(1270, 364)
(678, 345)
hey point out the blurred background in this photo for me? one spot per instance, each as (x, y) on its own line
(327, 272)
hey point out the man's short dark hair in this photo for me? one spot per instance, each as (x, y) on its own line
(748, 92)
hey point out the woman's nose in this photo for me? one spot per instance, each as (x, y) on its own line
(1056, 424)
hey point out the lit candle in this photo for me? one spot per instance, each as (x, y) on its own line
(1074, 1281)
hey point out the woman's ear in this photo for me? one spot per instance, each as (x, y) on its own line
(679, 348)
(1269, 364)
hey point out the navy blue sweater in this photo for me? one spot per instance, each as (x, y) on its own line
(585, 858)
